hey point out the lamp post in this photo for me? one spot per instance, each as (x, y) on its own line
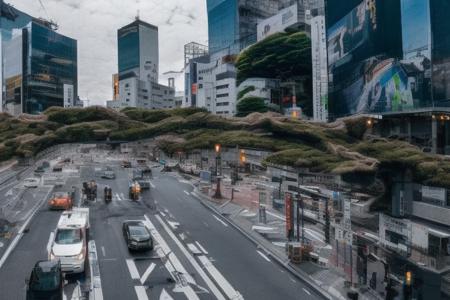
(217, 148)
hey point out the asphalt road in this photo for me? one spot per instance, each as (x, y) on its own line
(197, 254)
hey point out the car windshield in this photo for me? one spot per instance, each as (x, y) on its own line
(44, 281)
(138, 231)
(60, 195)
(68, 236)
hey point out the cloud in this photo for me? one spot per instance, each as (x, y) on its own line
(94, 24)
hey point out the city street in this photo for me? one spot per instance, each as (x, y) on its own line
(197, 254)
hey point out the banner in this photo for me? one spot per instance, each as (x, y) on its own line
(289, 211)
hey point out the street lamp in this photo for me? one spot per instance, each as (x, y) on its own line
(217, 148)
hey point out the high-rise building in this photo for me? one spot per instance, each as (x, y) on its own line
(39, 65)
(138, 54)
(232, 23)
(138, 64)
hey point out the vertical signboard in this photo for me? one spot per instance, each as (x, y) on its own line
(347, 222)
(320, 69)
(68, 95)
(289, 211)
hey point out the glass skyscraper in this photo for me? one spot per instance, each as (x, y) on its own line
(39, 65)
(232, 23)
(138, 51)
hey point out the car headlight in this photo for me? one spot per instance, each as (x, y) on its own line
(80, 256)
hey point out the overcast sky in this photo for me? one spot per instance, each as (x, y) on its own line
(94, 24)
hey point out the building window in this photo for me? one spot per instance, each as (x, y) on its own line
(221, 87)
(128, 100)
(223, 104)
(200, 86)
(222, 95)
(145, 97)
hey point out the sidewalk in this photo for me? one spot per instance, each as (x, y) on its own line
(242, 212)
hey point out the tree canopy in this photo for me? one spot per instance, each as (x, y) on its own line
(282, 55)
(250, 105)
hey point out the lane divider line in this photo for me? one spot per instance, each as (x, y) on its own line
(132, 268)
(306, 291)
(201, 248)
(141, 292)
(220, 279)
(220, 220)
(187, 193)
(147, 273)
(263, 255)
(192, 260)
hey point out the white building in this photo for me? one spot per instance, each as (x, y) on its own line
(211, 84)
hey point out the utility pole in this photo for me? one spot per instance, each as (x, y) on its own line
(217, 148)
(327, 223)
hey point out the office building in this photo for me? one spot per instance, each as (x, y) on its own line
(39, 65)
(138, 65)
(232, 23)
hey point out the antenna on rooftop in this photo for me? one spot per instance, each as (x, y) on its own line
(138, 10)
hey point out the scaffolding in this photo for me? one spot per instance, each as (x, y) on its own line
(194, 50)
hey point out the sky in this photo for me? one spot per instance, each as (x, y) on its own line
(94, 24)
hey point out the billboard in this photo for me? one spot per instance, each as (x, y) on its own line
(278, 23)
(289, 213)
(368, 72)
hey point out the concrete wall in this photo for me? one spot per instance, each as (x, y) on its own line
(431, 212)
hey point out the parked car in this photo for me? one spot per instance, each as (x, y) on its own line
(31, 183)
(108, 175)
(57, 168)
(46, 281)
(137, 236)
(61, 200)
(126, 164)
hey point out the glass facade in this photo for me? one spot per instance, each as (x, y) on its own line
(49, 69)
(440, 27)
(223, 31)
(128, 45)
(370, 72)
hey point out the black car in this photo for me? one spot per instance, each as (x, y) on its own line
(137, 236)
(46, 281)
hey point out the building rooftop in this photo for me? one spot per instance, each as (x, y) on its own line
(139, 22)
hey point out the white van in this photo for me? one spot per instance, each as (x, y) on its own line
(70, 240)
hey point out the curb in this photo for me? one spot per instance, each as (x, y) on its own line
(303, 277)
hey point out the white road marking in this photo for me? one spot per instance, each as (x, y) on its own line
(293, 280)
(16, 240)
(103, 251)
(50, 241)
(165, 295)
(316, 235)
(182, 236)
(192, 260)
(174, 225)
(162, 214)
(218, 219)
(147, 273)
(306, 291)
(201, 248)
(152, 185)
(1, 245)
(206, 224)
(172, 263)
(194, 250)
(132, 268)
(279, 244)
(141, 292)
(118, 197)
(218, 277)
(187, 193)
(122, 197)
(263, 255)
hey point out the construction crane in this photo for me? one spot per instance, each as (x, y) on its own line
(47, 22)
